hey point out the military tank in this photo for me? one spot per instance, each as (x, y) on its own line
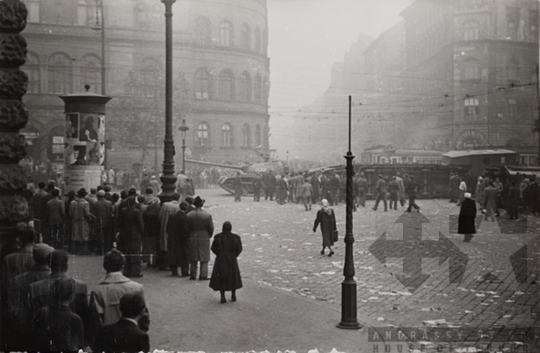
(248, 173)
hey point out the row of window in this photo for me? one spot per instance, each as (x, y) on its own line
(60, 79)
(150, 16)
(512, 71)
(227, 135)
(471, 109)
(248, 89)
(514, 27)
(60, 73)
(249, 41)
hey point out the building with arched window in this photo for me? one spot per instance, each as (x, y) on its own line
(220, 84)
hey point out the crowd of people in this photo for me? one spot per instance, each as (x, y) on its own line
(45, 309)
(314, 187)
(41, 300)
(60, 313)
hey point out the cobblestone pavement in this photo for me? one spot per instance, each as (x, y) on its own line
(281, 250)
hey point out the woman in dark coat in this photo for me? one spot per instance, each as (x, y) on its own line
(327, 219)
(226, 274)
(130, 238)
(467, 217)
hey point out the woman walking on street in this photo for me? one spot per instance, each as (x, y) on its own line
(467, 217)
(327, 219)
(226, 274)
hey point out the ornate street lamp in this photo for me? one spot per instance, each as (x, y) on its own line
(183, 129)
(348, 286)
(168, 177)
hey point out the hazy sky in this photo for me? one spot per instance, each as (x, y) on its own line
(305, 38)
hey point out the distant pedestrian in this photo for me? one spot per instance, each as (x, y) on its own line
(306, 194)
(201, 229)
(327, 219)
(238, 187)
(257, 186)
(226, 273)
(453, 185)
(269, 182)
(315, 183)
(362, 190)
(412, 190)
(393, 188)
(490, 202)
(479, 194)
(512, 202)
(381, 193)
(401, 187)
(467, 217)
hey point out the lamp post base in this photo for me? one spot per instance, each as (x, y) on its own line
(348, 305)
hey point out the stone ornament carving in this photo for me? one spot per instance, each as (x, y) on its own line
(12, 50)
(13, 116)
(12, 147)
(13, 15)
(13, 83)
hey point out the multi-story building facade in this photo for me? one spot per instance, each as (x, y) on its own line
(454, 74)
(475, 66)
(219, 54)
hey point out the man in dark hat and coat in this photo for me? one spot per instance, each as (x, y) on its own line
(226, 274)
(177, 230)
(201, 229)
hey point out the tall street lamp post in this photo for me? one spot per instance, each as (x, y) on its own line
(183, 128)
(168, 177)
(100, 26)
(348, 286)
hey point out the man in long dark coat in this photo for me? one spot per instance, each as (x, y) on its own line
(455, 180)
(269, 185)
(226, 274)
(467, 217)
(130, 241)
(201, 229)
(178, 232)
(315, 183)
(102, 211)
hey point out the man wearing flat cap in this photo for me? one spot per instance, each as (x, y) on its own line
(201, 229)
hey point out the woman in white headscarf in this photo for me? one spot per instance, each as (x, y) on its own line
(327, 219)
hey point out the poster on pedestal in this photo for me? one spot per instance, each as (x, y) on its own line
(84, 150)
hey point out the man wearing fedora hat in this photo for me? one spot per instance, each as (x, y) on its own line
(201, 229)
